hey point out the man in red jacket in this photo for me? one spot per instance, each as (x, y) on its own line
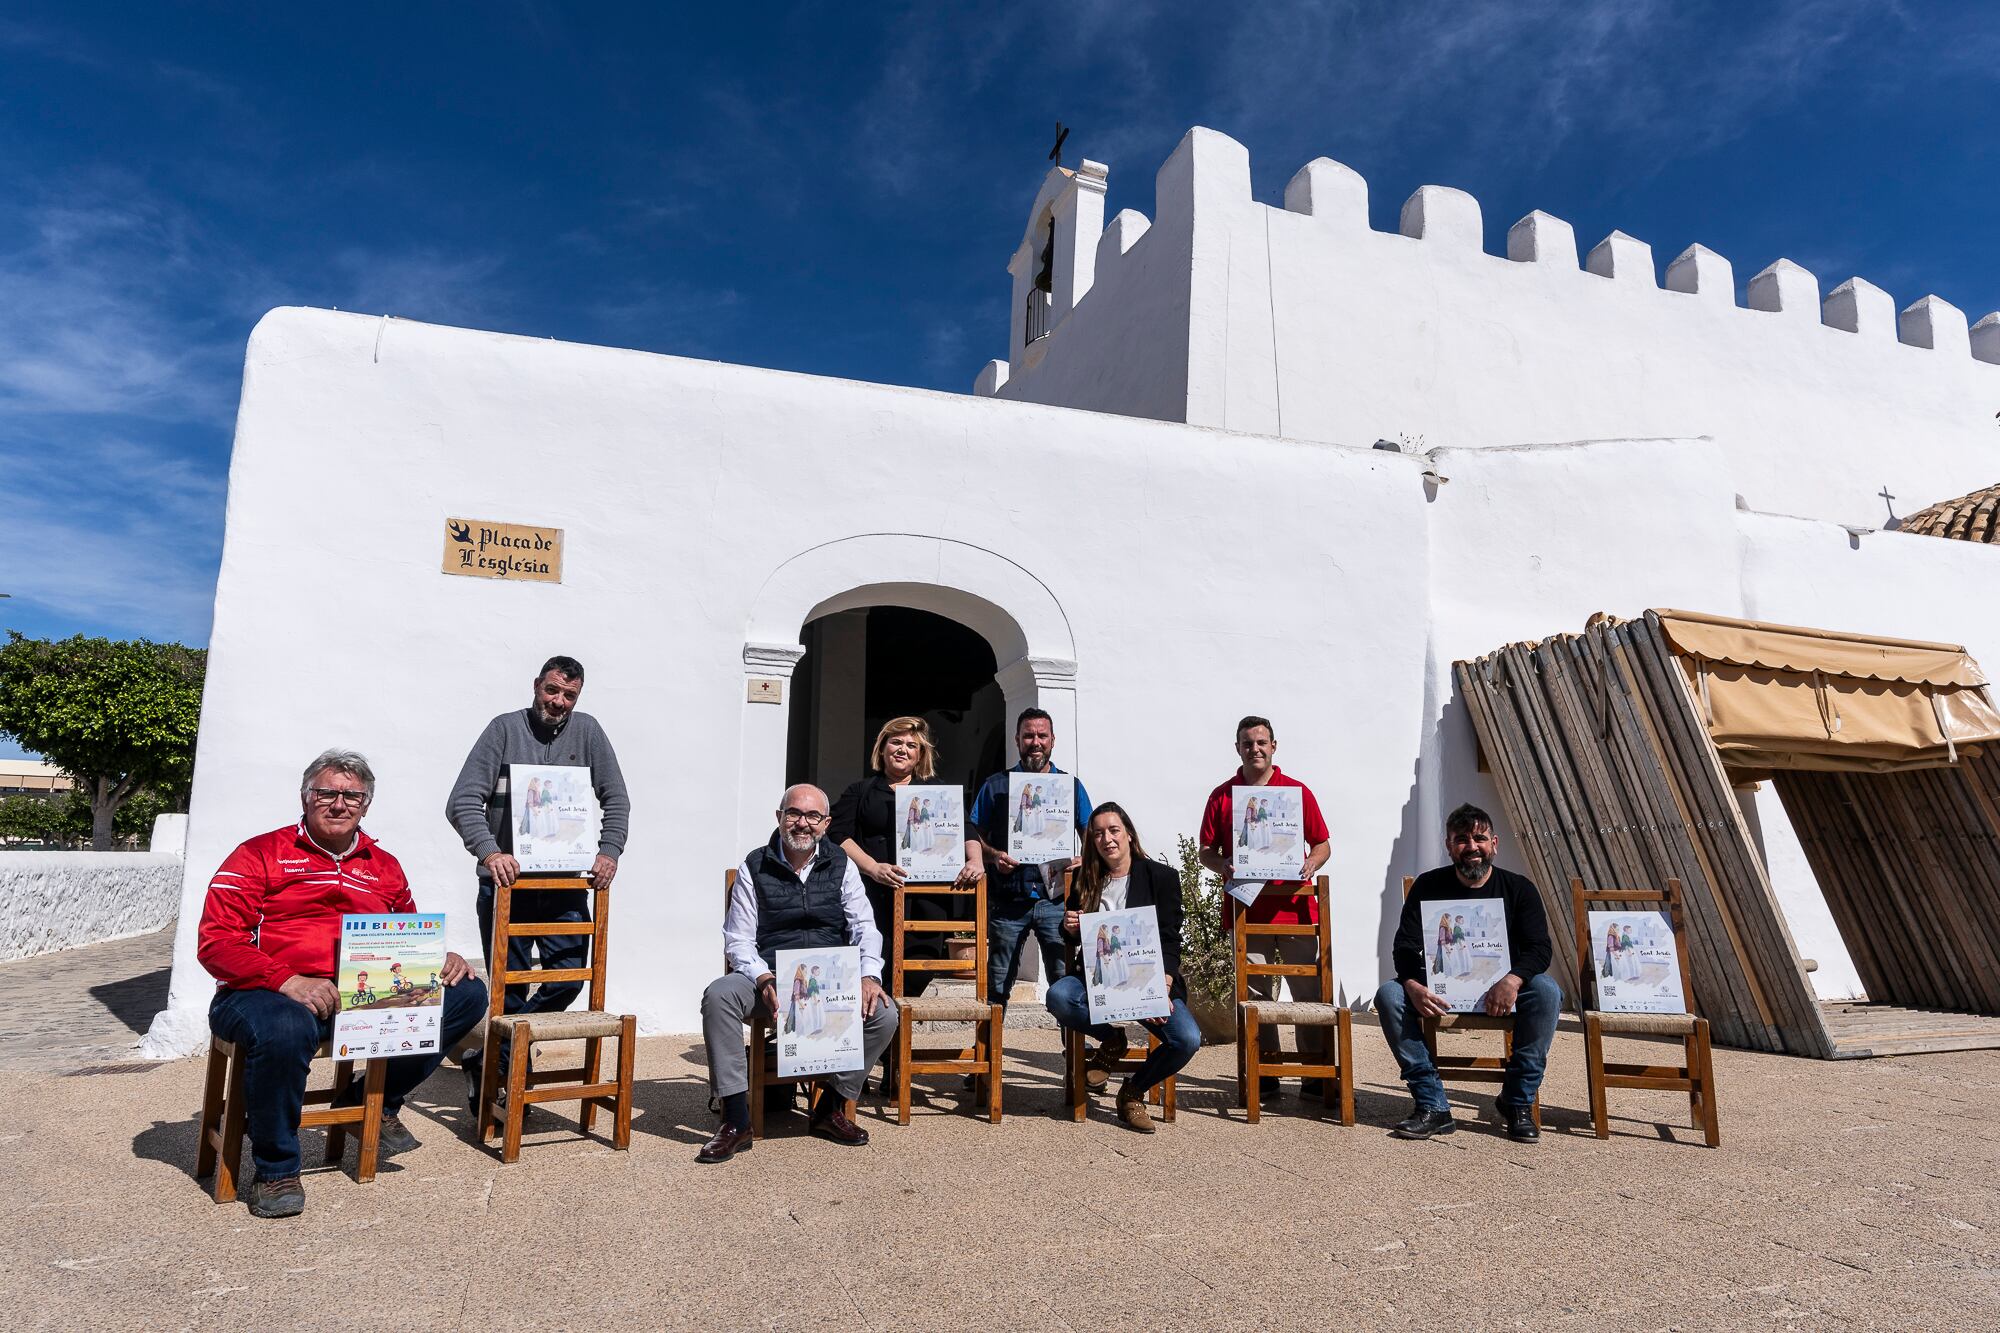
(270, 934)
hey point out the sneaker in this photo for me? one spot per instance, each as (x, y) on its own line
(1422, 1124)
(470, 1069)
(281, 1197)
(1132, 1110)
(393, 1137)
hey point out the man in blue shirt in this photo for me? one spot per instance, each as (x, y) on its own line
(1021, 897)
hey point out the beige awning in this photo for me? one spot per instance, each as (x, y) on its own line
(1783, 697)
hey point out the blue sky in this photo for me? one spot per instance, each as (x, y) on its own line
(835, 188)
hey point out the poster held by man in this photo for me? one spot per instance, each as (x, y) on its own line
(819, 1011)
(391, 995)
(555, 818)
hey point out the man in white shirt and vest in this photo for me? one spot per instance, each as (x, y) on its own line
(797, 891)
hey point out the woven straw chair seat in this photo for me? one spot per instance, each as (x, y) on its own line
(1293, 1011)
(1662, 1025)
(567, 1026)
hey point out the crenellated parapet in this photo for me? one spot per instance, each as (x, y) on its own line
(1207, 182)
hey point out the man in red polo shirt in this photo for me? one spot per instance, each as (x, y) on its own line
(270, 935)
(1257, 749)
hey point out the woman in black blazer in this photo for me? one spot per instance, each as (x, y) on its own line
(1117, 874)
(864, 826)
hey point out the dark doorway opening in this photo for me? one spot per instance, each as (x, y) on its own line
(863, 667)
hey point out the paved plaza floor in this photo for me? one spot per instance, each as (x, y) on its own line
(1846, 1195)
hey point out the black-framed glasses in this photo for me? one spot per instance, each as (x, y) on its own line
(809, 818)
(337, 795)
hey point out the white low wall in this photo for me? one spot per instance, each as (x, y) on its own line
(61, 900)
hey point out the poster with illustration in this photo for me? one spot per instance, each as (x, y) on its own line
(1041, 817)
(1465, 949)
(930, 832)
(391, 1000)
(1638, 968)
(819, 1011)
(1123, 974)
(555, 816)
(1267, 827)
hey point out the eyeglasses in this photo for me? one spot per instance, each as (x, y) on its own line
(337, 796)
(806, 817)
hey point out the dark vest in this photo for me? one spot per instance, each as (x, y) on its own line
(796, 915)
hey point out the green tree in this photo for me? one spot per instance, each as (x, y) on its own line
(115, 715)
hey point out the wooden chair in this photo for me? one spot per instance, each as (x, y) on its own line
(222, 1116)
(1251, 1063)
(520, 1032)
(1697, 1076)
(1473, 1068)
(763, 1050)
(982, 1058)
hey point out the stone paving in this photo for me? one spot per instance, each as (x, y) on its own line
(1852, 1195)
(82, 1008)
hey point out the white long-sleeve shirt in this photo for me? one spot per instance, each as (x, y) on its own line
(739, 924)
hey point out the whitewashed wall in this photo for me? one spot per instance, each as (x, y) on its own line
(1302, 321)
(64, 900)
(1150, 582)
(710, 509)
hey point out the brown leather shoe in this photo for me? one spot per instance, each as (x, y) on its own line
(1097, 1069)
(1132, 1110)
(834, 1125)
(728, 1141)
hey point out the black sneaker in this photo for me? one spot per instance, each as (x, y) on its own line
(1520, 1124)
(393, 1138)
(1425, 1125)
(282, 1197)
(470, 1068)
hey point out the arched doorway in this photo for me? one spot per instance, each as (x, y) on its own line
(865, 665)
(961, 588)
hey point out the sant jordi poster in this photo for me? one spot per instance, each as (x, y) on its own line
(930, 833)
(1465, 949)
(1267, 833)
(555, 818)
(1123, 974)
(819, 1011)
(1041, 817)
(391, 1000)
(1638, 969)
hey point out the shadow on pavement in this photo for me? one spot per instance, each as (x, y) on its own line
(134, 1000)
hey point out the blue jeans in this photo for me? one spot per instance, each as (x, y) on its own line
(276, 1037)
(1003, 943)
(1179, 1034)
(558, 951)
(1535, 1012)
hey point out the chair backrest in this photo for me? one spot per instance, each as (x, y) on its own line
(1580, 901)
(506, 928)
(1243, 930)
(1409, 882)
(728, 887)
(902, 927)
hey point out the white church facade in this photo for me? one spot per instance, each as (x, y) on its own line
(1165, 510)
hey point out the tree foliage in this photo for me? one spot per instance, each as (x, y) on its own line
(117, 716)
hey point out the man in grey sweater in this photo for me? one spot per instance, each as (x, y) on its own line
(548, 731)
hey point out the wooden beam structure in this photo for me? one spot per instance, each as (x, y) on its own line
(1597, 743)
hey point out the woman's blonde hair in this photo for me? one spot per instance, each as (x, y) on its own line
(926, 767)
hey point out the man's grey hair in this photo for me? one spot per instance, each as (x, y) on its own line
(340, 761)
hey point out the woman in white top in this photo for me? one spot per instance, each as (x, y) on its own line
(1117, 875)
